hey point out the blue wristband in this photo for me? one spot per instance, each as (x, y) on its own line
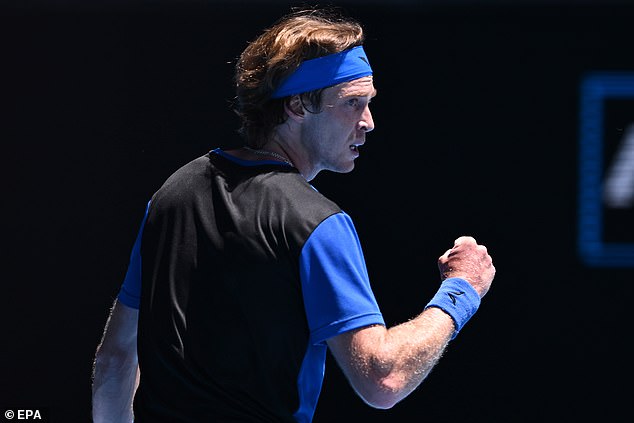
(458, 299)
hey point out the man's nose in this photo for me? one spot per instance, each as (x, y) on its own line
(366, 123)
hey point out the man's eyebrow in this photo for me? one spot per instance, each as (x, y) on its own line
(372, 94)
(358, 94)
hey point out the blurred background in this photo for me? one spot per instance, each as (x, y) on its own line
(481, 130)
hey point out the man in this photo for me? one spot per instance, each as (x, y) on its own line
(243, 274)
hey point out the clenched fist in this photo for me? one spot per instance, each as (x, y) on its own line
(469, 261)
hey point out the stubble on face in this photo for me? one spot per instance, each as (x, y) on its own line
(329, 135)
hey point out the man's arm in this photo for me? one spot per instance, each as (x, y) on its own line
(385, 365)
(115, 373)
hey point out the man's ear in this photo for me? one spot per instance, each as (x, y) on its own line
(294, 108)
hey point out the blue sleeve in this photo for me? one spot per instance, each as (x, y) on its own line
(335, 282)
(130, 292)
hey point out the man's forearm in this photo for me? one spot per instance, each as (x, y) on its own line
(415, 347)
(116, 370)
(388, 364)
(114, 383)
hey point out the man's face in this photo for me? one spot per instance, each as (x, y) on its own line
(333, 136)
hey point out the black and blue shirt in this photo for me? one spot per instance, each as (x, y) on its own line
(241, 271)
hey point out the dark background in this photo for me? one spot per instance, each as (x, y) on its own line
(476, 133)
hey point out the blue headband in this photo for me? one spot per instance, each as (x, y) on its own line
(325, 71)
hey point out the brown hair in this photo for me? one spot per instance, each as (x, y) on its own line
(275, 54)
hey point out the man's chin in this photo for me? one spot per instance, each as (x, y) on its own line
(347, 168)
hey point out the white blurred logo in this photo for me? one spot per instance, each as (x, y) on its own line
(618, 188)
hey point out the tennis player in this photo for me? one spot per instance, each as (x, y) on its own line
(242, 274)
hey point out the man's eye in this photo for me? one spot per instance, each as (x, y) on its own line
(354, 102)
